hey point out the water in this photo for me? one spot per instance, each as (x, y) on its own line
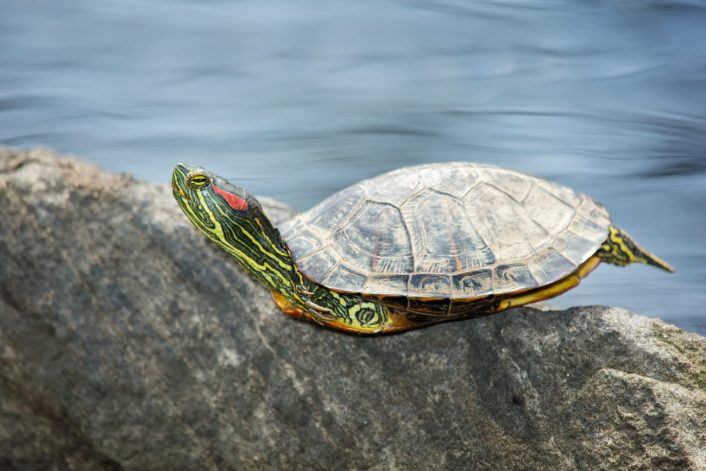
(297, 100)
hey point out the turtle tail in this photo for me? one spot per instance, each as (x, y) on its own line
(619, 249)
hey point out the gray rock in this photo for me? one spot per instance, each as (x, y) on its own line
(127, 340)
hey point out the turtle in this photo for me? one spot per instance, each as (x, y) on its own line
(415, 246)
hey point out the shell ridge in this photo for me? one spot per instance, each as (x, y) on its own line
(533, 184)
(501, 190)
(478, 233)
(353, 212)
(475, 185)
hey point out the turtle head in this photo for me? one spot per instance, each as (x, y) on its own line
(207, 198)
(234, 220)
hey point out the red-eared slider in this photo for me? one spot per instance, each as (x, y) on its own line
(414, 246)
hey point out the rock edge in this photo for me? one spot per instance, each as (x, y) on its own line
(129, 341)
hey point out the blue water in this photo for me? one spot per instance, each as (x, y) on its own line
(297, 100)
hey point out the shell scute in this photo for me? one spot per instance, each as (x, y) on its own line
(585, 226)
(514, 184)
(422, 284)
(509, 229)
(549, 264)
(562, 193)
(513, 277)
(305, 243)
(343, 275)
(372, 250)
(473, 284)
(550, 212)
(335, 211)
(378, 230)
(318, 264)
(396, 189)
(455, 180)
(573, 247)
(445, 241)
(386, 285)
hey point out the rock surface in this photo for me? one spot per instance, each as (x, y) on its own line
(127, 340)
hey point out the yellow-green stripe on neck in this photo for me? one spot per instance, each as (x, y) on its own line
(234, 220)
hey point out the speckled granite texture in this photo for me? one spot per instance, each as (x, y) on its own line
(127, 340)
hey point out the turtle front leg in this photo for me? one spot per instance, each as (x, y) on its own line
(395, 321)
(349, 313)
(290, 309)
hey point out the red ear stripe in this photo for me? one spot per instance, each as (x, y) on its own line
(235, 201)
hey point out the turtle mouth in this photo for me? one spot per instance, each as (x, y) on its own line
(177, 189)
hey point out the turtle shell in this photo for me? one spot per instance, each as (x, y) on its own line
(457, 231)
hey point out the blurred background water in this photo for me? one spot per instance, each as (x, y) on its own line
(297, 100)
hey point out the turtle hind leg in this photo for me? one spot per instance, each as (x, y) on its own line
(619, 249)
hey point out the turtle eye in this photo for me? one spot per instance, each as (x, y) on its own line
(197, 179)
